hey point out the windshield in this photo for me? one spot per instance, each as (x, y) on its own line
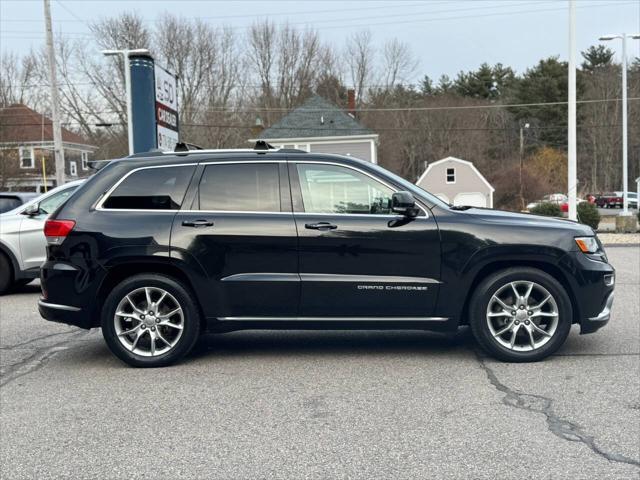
(412, 187)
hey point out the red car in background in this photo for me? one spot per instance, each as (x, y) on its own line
(609, 200)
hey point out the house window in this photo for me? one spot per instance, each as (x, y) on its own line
(73, 169)
(85, 161)
(451, 175)
(26, 157)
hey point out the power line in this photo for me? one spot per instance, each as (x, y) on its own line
(377, 129)
(413, 20)
(387, 109)
(409, 109)
(269, 14)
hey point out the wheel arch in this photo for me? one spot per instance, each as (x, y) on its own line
(545, 266)
(13, 261)
(120, 272)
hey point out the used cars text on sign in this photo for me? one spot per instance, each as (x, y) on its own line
(166, 109)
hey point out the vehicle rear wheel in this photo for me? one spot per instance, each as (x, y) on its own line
(150, 321)
(520, 314)
(6, 274)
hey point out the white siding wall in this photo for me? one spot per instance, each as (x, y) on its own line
(361, 150)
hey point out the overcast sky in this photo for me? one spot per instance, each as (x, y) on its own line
(446, 36)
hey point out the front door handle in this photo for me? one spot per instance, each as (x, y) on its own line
(197, 223)
(321, 226)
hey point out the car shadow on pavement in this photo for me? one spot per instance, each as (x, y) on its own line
(329, 342)
(260, 344)
(30, 289)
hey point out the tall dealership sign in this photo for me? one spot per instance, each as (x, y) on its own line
(154, 102)
(167, 126)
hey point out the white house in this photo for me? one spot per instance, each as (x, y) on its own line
(457, 182)
(320, 126)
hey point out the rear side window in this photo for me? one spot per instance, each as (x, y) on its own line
(9, 203)
(161, 188)
(240, 187)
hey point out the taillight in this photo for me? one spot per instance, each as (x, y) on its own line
(57, 230)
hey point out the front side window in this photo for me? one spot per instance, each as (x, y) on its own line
(26, 157)
(160, 188)
(336, 189)
(240, 187)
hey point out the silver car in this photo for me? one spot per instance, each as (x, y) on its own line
(22, 241)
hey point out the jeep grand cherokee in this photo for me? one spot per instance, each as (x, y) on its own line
(159, 247)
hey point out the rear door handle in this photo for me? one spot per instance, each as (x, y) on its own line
(321, 226)
(197, 223)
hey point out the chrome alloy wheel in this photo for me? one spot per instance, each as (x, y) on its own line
(522, 316)
(149, 321)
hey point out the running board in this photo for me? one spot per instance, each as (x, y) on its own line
(333, 319)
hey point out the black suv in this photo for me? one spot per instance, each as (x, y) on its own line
(157, 248)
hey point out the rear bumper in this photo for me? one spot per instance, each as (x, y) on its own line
(593, 324)
(56, 312)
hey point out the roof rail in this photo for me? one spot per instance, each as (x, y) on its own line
(185, 147)
(262, 145)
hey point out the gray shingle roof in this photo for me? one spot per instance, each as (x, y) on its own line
(315, 118)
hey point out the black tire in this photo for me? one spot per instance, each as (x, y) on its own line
(191, 322)
(6, 274)
(480, 301)
(23, 282)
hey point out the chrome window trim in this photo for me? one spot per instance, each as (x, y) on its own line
(382, 182)
(235, 212)
(390, 216)
(108, 193)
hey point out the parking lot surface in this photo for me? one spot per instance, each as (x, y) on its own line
(321, 404)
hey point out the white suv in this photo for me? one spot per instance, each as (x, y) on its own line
(22, 241)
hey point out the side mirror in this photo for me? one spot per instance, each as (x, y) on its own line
(404, 204)
(32, 210)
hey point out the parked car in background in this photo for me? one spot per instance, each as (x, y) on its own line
(159, 247)
(564, 206)
(632, 199)
(11, 200)
(559, 199)
(22, 240)
(609, 200)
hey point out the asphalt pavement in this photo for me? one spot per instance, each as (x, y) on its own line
(321, 404)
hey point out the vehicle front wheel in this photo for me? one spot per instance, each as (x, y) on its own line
(150, 320)
(520, 314)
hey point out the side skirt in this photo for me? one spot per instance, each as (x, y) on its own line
(228, 324)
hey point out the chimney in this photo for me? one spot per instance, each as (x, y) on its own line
(257, 128)
(351, 102)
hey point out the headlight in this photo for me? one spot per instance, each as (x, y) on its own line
(587, 244)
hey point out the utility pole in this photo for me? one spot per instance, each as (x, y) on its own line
(625, 173)
(58, 149)
(522, 127)
(572, 148)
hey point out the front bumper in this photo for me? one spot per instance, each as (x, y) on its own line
(592, 324)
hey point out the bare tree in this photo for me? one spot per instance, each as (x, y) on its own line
(18, 80)
(399, 63)
(360, 58)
